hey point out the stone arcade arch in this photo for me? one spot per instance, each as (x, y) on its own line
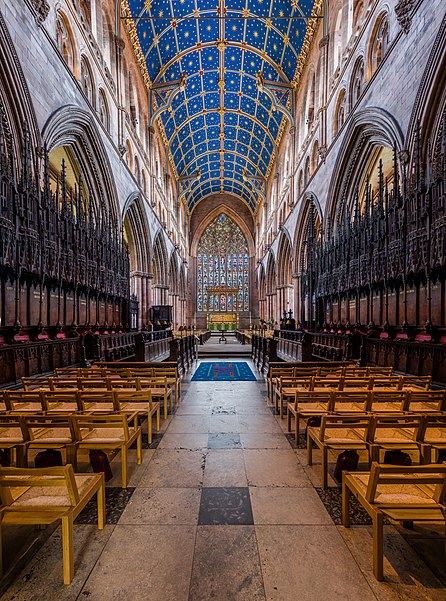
(137, 236)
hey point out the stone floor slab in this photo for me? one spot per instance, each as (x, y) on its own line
(174, 468)
(191, 442)
(225, 468)
(310, 563)
(226, 565)
(274, 467)
(288, 506)
(230, 506)
(177, 506)
(224, 441)
(157, 568)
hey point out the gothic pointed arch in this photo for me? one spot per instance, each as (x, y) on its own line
(160, 261)
(284, 259)
(223, 208)
(367, 129)
(76, 129)
(16, 106)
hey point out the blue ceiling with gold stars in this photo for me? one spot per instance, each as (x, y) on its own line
(220, 123)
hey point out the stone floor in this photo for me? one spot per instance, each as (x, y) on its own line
(225, 509)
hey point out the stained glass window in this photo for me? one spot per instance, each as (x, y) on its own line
(222, 260)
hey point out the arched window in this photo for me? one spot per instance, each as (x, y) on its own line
(379, 43)
(300, 184)
(315, 157)
(340, 113)
(104, 115)
(223, 262)
(307, 173)
(87, 80)
(64, 41)
(357, 82)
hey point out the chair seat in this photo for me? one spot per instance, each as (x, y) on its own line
(47, 497)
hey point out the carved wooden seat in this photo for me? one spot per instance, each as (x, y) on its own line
(108, 432)
(415, 493)
(42, 496)
(337, 433)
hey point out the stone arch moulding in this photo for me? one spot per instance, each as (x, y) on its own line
(161, 258)
(284, 252)
(301, 224)
(135, 212)
(210, 217)
(72, 125)
(18, 105)
(431, 92)
(367, 128)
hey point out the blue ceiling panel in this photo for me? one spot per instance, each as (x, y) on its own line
(221, 124)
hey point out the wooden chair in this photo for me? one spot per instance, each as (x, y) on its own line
(42, 496)
(49, 432)
(11, 437)
(337, 433)
(426, 401)
(61, 401)
(273, 374)
(421, 382)
(384, 401)
(108, 432)
(35, 382)
(347, 402)
(2, 401)
(416, 493)
(380, 381)
(389, 432)
(364, 382)
(159, 389)
(306, 405)
(285, 389)
(171, 373)
(64, 383)
(21, 401)
(329, 382)
(432, 436)
(97, 401)
(139, 403)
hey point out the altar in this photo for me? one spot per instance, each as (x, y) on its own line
(222, 320)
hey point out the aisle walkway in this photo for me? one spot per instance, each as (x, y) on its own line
(223, 510)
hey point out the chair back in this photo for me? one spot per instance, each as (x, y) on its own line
(385, 400)
(38, 426)
(345, 401)
(33, 382)
(54, 400)
(333, 383)
(421, 382)
(345, 426)
(55, 482)
(96, 400)
(23, 400)
(323, 400)
(391, 486)
(135, 396)
(426, 401)
(390, 428)
(433, 429)
(83, 425)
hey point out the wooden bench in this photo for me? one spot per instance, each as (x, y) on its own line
(108, 432)
(402, 494)
(42, 496)
(337, 433)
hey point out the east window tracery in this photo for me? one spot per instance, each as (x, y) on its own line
(222, 261)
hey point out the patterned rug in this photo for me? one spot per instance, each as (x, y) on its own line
(213, 372)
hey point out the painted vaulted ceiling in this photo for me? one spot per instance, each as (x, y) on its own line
(201, 59)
